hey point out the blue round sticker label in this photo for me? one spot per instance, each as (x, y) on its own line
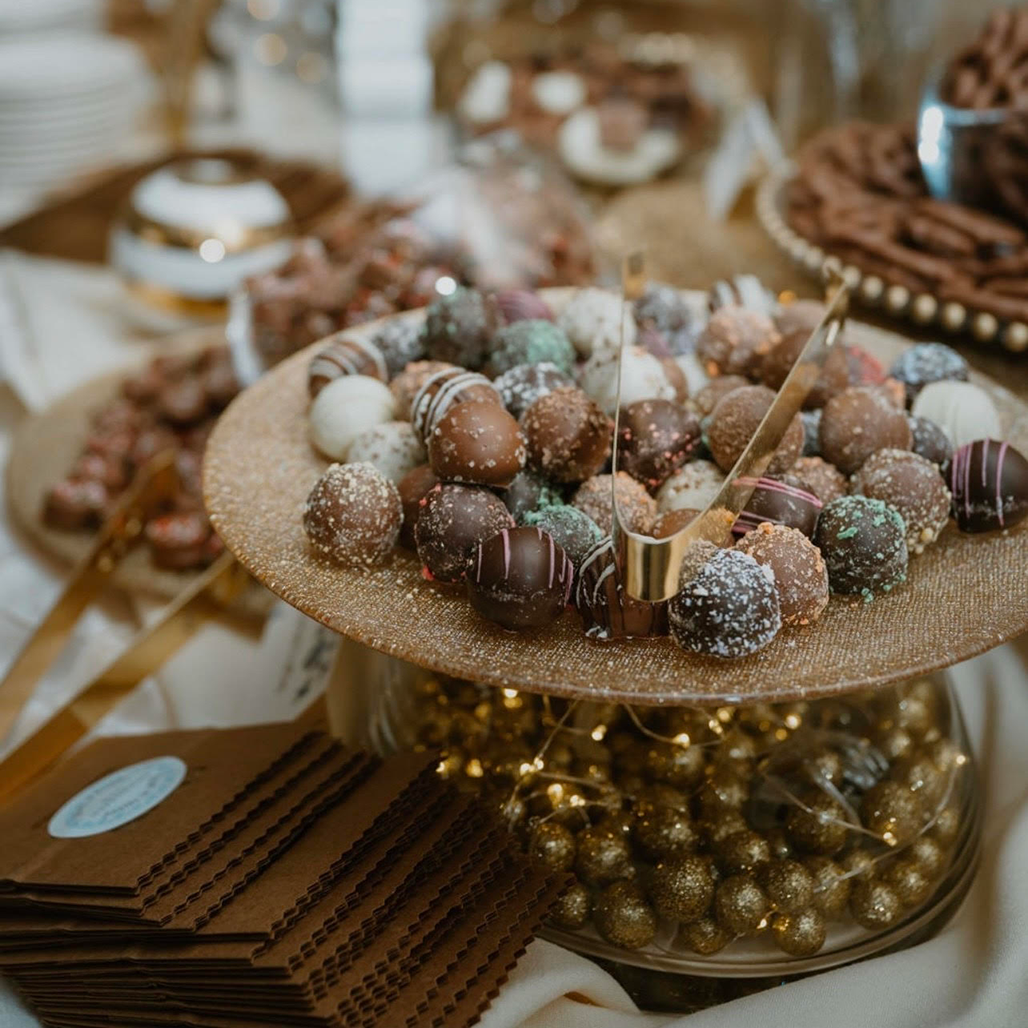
(118, 798)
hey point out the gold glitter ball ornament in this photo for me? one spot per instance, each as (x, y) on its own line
(928, 855)
(660, 794)
(743, 851)
(724, 789)
(741, 905)
(915, 715)
(893, 812)
(895, 743)
(573, 908)
(788, 884)
(946, 827)
(831, 889)
(874, 904)
(717, 829)
(554, 845)
(682, 890)
(821, 828)
(920, 774)
(823, 766)
(706, 936)
(663, 832)
(620, 822)
(858, 864)
(800, 934)
(623, 917)
(909, 882)
(603, 856)
(681, 766)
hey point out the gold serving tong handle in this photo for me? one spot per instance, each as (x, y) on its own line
(650, 567)
(205, 597)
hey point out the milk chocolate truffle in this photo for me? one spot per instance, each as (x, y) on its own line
(727, 605)
(345, 355)
(607, 611)
(531, 342)
(693, 486)
(735, 421)
(863, 542)
(520, 578)
(353, 515)
(913, 486)
(638, 510)
(799, 316)
(392, 447)
(655, 438)
(711, 394)
(858, 421)
(780, 501)
(522, 385)
(735, 341)
(478, 443)
(522, 305)
(989, 482)
(444, 390)
(529, 491)
(76, 503)
(412, 489)
(400, 342)
(822, 479)
(801, 578)
(459, 328)
(568, 436)
(778, 361)
(923, 363)
(576, 533)
(454, 519)
(672, 522)
(408, 383)
(929, 440)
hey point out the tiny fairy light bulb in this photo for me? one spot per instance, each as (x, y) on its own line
(473, 768)
(682, 739)
(510, 693)
(599, 732)
(793, 721)
(555, 792)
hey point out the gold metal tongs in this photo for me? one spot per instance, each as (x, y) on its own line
(650, 567)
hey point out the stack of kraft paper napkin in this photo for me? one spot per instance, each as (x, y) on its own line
(253, 876)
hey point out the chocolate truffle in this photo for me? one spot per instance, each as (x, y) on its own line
(408, 383)
(522, 305)
(182, 402)
(531, 342)
(520, 578)
(655, 438)
(593, 319)
(607, 611)
(643, 377)
(693, 486)
(735, 341)
(865, 368)
(893, 390)
(822, 479)
(742, 291)
(664, 309)
(778, 361)
(459, 328)
(529, 491)
(923, 363)
(478, 443)
(963, 410)
(345, 355)
(180, 541)
(858, 421)
(989, 482)
(672, 522)
(913, 486)
(412, 489)
(400, 342)
(522, 385)
(392, 447)
(444, 390)
(576, 533)
(637, 509)
(799, 316)
(344, 409)
(929, 440)
(353, 515)
(73, 503)
(863, 542)
(568, 436)
(735, 421)
(780, 501)
(727, 605)
(454, 519)
(711, 394)
(801, 578)
(811, 428)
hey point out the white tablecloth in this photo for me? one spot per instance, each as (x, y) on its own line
(974, 974)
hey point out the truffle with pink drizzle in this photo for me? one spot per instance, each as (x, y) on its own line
(989, 483)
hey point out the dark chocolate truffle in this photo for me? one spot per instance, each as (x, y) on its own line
(928, 362)
(345, 355)
(531, 342)
(780, 501)
(638, 510)
(568, 436)
(607, 611)
(76, 503)
(478, 443)
(408, 383)
(522, 305)
(929, 439)
(576, 533)
(664, 310)
(655, 438)
(520, 578)
(444, 390)
(522, 385)
(863, 542)
(412, 488)
(858, 421)
(459, 328)
(989, 482)
(801, 578)
(527, 492)
(778, 361)
(727, 605)
(400, 342)
(179, 541)
(735, 421)
(353, 515)
(671, 522)
(822, 479)
(735, 341)
(811, 428)
(454, 519)
(913, 486)
(712, 393)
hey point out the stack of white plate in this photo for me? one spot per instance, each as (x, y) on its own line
(46, 15)
(67, 102)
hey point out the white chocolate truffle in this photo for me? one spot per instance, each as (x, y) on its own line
(642, 378)
(486, 98)
(344, 409)
(691, 487)
(393, 447)
(743, 291)
(558, 92)
(592, 320)
(964, 411)
(693, 371)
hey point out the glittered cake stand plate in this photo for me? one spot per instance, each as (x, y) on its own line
(964, 595)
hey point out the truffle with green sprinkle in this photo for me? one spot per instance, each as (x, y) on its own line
(531, 342)
(576, 533)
